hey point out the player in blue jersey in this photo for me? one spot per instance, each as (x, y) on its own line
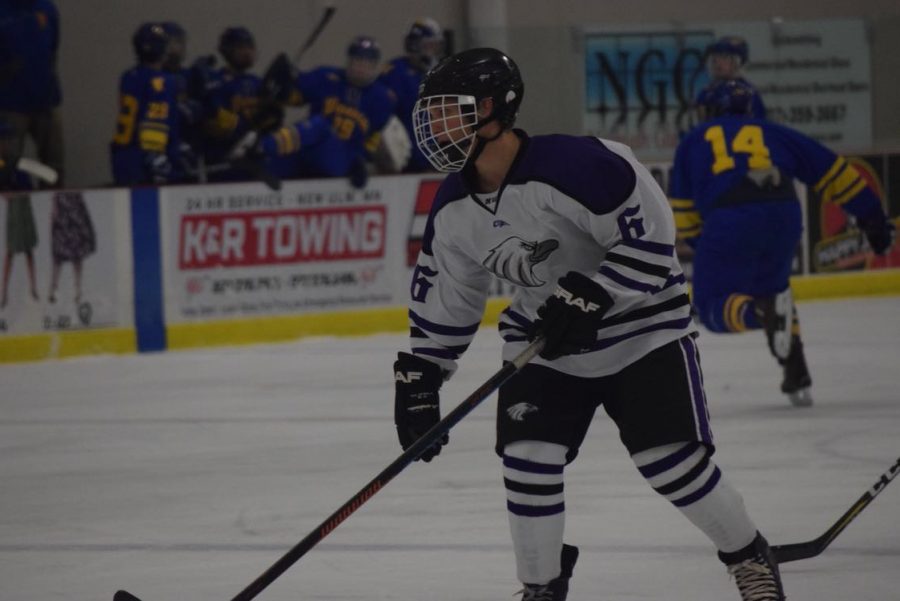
(190, 109)
(30, 92)
(734, 201)
(234, 101)
(347, 110)
(585, 237)
(424, 45)
(725, 60)
(146, 143)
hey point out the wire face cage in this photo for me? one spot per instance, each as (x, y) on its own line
(445, 129)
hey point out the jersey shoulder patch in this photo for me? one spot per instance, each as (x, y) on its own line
(580, 167)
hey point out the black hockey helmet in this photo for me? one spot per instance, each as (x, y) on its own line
(238, 47)
(482, 73)
(733, 97)
(150, 42)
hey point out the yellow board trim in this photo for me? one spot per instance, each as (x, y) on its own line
(291, 327)
(59, 345)
(879, 282)
(883, 282)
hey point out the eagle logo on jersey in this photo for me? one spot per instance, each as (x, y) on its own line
(518, 411)
(514, 260)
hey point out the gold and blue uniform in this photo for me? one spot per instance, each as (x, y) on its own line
(147, 126)
(734, 201)
(344, 127)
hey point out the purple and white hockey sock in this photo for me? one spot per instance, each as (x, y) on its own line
(533, 476)
(685, 474)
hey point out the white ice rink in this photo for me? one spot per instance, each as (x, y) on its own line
(182, 476)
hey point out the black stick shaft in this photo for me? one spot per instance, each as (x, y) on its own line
(386, 475)
(314, 35)
(805, 550)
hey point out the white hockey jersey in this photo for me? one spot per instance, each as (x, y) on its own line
(567, 204)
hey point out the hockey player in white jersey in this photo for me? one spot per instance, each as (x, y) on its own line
(586, 237)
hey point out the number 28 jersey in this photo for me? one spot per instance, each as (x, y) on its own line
(568, 204)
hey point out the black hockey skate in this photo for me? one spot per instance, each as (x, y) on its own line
(797, 381)
(558, 588)
(755, 571)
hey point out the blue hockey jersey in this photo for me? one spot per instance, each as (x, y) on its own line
(147, 123)
(737, 160)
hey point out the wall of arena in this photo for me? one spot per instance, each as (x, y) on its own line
(203, 265)
(96, 49)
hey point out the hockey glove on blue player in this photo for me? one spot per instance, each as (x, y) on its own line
(569, 319)
(880, 233)
(359, 173)
(416, 401)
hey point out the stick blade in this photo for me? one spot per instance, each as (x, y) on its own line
(796, 551)
(124, 596)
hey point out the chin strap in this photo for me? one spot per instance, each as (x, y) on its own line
(480, 142)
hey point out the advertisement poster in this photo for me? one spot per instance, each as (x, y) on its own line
(814, 76)
(836, 244)
(244, 250)
(66, 262)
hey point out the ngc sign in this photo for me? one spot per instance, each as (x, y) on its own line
(640, 82)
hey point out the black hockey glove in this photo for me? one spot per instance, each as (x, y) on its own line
(569, 319)
(359, 173)
(417, 402)
(880, 233)
(268, 117)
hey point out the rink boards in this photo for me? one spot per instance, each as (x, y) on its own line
(207, 265)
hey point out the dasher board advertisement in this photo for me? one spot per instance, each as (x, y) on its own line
(67, 261)
(242, 250)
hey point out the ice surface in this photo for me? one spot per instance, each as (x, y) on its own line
(182, 476)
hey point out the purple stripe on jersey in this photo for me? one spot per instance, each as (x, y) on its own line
(675, 279)
(628, 282)
(668, 462)
(672, 324)
(700, 492)
(437, 328)
(666, 250)
(535, 511)
(697, 393)
(533, 467)
(508, 338)
(435, 352)
(517, 317)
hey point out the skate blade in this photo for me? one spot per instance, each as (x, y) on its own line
(801, 398)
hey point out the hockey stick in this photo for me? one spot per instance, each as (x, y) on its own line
(256, 169)
(379, 481)
(43, 172)
(812, 548)
(314, 35)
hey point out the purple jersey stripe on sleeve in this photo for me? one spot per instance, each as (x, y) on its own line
(656, 248)
(436, 328)
(626, 281)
